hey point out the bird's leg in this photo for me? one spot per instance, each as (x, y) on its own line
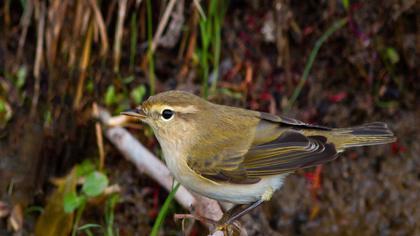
(228, 219)
(227, 223)
(238, 211)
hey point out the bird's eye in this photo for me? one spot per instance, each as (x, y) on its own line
(167, 114)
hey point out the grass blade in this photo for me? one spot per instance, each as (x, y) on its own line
(337, 25)
(164, 211)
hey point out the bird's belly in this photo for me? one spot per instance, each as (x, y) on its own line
(228, 192)
(235, 193)
(221, 191)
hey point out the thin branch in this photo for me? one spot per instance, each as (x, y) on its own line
(84, 63)
(99, 138)
(173, 32)
(26, 20)
(39, 55)
(162, 24)
(101, 25)
(122, 10)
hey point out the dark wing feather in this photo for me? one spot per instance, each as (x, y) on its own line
(290, 122)
(222, 169)
(291, 151)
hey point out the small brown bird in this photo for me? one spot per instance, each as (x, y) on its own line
(242, 156)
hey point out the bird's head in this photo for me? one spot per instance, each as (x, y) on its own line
(172, 113)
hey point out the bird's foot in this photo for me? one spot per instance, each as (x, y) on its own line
(226, 228)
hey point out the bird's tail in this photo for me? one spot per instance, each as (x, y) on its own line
(364, 135)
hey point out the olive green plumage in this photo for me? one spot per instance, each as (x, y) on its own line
(223, 144)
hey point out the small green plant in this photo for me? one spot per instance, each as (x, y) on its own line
(109, 214)
(211, 33)
(346, 4)
(17, 80)
(164, 211)
(110, 96)
(137, 94)
(94, 184)
(390, 58)
(5, 112)
(336, 26)
(121, 100)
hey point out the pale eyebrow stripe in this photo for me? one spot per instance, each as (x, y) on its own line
(182, 109)
(187, 109)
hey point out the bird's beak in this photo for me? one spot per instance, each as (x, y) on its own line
(137, 112)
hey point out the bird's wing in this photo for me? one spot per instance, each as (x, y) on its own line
(222, 163)
(278, 148)
(290, 151)
(288, 122)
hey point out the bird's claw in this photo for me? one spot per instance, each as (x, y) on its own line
(228, 229)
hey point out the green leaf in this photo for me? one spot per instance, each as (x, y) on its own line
(128, 79)
(89, 226)
(228, 92)
(84, 168)
(392, 55)
(2, 106)
(23, 3)
(90, 86)
(346, 4)
(21, 77)
(95, 183)
(31, 209)
(47, 118)
(110, 214)
(72, 201)
(138, 94)
(110, 95)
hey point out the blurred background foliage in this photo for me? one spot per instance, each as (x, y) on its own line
(333, 62)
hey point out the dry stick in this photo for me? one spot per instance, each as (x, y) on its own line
(56, 14)
(26, 20)
(99, 138)
(38, 57)
(162, 25)
(191, 46)
(101, 25)
(122, 10)
(75, 34)
(83, 67)
(172, 34)
(146, 162)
